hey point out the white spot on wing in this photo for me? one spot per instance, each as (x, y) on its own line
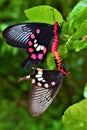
(39, 79)
(39, 84)
(43, 80)
(33, 81)
(40, 72)
(38, 75)
(35, 45)
(35, 41)
(46, 85)
(42, 47)
(53, 83)
(38, 48)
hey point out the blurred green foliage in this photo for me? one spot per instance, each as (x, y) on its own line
(13, 95)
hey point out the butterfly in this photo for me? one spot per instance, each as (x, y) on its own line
(34, 38)
(46, 84)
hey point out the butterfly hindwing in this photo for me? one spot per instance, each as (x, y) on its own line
(46, 84)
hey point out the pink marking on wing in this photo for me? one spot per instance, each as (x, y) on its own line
(40, 56)
(38, 31)
(32, 36)
(30, 43)
(45, 50)
(30, 50)
(33, 56)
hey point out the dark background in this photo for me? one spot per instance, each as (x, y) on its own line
(13, 95)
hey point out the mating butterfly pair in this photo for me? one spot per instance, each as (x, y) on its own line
(35, 38)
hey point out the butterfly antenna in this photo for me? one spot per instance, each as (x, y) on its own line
(24, 78)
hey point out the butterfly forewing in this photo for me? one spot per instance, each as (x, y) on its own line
(18, 35)
(40, 97)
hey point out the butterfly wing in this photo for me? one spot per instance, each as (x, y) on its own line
(41, 97)
(19, 35)
(34, 37)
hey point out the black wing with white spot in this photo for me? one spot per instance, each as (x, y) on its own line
(46, 84)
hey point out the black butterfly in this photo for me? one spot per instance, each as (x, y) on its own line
(46, 84)
(34, 37)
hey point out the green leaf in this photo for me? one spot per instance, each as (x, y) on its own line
(62, 51)
(85, 91)
(50, 61)
(75, 117)
(80, 18)
(45, 13)
(77, 12)
(66, 30)
(82, 45)
(76, 18)
(76, 40)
